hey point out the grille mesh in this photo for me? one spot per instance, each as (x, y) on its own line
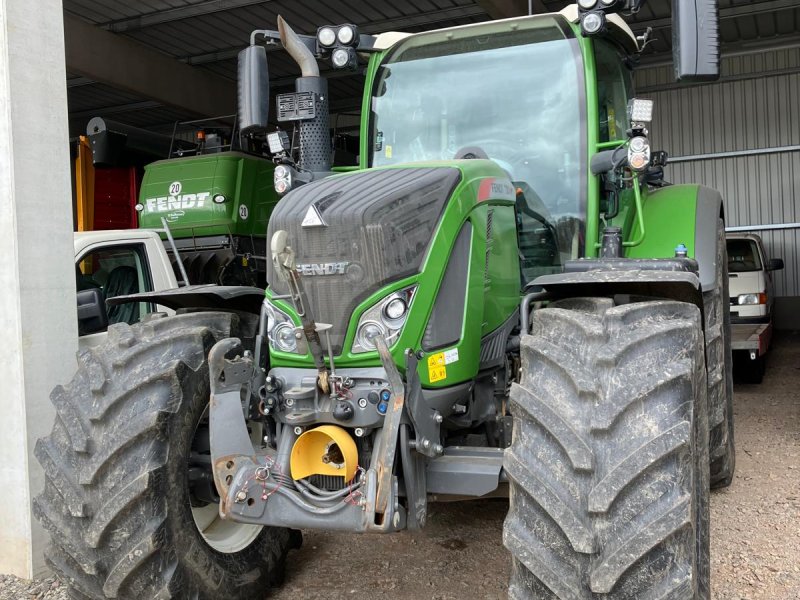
(378, 222)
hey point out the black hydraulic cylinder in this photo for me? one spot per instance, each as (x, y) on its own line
(612, 243)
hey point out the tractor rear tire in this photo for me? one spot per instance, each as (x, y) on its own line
(608, 464)
(719, 365)
(116, 498)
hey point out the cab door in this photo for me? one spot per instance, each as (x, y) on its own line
(115, 270)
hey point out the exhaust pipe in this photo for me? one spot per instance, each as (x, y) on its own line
(297, 50)
(315, 145)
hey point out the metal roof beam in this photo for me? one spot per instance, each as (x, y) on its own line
(729, 12)
(757, 46)
(128, 65)
(176, 14)
(426, 18)
(112, 110)
(505, 9)
(78, 82)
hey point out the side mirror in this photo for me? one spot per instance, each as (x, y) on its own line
(92, 315)
(253, 89)
(695, 40)
(775, 264)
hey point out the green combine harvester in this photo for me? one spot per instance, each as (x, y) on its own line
(505, 298)
(213, 189)
(216, 206)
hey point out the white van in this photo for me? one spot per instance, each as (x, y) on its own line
(752, 295)
(750, 276)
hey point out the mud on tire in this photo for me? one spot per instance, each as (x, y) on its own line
(116, 499)
(608, 466)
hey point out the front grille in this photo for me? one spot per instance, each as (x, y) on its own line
(378, 225)
(329, 483)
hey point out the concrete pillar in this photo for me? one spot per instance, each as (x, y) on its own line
(38, 324)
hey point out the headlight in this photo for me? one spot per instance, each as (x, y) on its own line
(587, 4)
(752, 299)
(326, 36)
(346, 35)
(639, 153)
(342, 57)
(367, 332)
(395, 309)
(385, 318)
(282, 179)
(592, 22)
(281, 331)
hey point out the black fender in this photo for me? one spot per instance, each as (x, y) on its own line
(708, 210)
(672, 278)
(209, 297)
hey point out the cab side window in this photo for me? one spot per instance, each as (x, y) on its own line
(614, 88)
(117, 271)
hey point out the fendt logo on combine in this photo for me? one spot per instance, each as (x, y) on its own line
(176, 201)
(333, 268)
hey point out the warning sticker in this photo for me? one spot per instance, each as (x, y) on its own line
(436, 367)
(388, 151)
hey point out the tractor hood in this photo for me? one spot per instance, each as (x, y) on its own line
(354, 233)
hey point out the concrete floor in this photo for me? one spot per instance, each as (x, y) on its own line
(755, 538)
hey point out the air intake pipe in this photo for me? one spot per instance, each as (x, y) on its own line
(315, 145)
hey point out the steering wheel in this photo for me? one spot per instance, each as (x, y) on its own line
(470, 152)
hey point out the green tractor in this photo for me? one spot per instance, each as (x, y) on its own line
(505, 298)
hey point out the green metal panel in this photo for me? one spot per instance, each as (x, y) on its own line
(181, 190)
(669, 215)
(592, 134)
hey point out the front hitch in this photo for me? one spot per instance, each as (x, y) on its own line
(231, 448)
(255, 486)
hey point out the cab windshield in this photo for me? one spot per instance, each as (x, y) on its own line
(511, 89)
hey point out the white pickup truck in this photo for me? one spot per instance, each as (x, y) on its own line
(117, 262)
(752, 298)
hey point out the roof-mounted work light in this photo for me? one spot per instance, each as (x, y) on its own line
(593, 14)
(339, 43)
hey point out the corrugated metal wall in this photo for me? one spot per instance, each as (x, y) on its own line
(754, 106)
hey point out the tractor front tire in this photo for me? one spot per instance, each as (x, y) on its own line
(117, 499)
(719, 366)
(608, 464)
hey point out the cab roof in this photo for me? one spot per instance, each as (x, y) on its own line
(617, 26)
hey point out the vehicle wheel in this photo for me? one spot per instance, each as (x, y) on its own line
(608, 464)
(716, 302)
(117, 497)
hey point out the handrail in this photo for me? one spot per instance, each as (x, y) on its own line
(637, 197)
(177, 255)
